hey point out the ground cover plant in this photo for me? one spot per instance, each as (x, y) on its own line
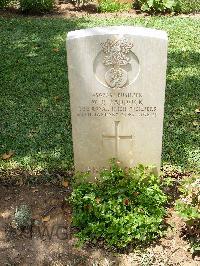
(35, 111)
(29, 6)
(22, 217)
(124, 206)
(4, 3)
(188, 6)
(188, 207)
(36, 6)
(189, 202)
(163, 6)
(157, 5)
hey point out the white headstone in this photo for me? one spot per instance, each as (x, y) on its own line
(117, 81)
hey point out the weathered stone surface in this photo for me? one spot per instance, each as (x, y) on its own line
(117, 87)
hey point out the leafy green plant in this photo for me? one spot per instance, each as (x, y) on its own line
(156, 5)
(188, 6)
(113, 6)
(123, 206)
(23, 217)
(188, 204)
(4, 3)
(36, 6)
(188, 207)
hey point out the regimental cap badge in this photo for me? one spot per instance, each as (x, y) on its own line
(116, 56)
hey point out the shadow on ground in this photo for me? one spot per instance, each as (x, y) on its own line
(35, 109)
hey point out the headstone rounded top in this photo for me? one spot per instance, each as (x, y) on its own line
(123, 30)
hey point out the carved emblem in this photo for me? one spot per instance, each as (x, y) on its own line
(116, 56)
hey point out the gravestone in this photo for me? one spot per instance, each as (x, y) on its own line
(117, 81)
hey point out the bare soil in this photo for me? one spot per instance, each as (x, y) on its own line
(51, 241)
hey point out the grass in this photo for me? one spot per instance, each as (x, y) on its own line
(34, 102)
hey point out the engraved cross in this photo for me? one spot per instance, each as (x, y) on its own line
(117, 138)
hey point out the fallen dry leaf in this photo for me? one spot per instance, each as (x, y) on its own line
(68, 218)
(46, 218)
(136, 194)
(57, 98)
(98, 200)
(20, 182)
(7, 156)
(56, 50)
(65, 183)
(6, 214)
(35, 190)
(126, 201)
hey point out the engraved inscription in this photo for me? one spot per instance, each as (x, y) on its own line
(121, 104)
(116, 138)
